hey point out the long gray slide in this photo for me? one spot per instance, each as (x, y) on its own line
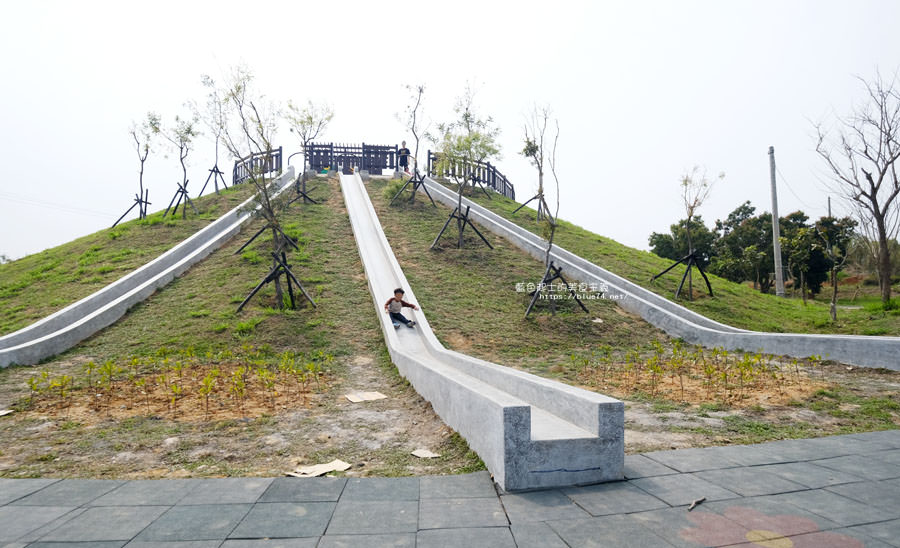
(530, 432)
(677, 320)
(64, 329)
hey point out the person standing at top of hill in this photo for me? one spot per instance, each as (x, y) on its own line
(394, 305)
(403, 157)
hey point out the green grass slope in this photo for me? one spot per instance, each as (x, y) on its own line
(37, 285)
(735, 304)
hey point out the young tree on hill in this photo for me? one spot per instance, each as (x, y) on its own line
(250, 129)
(143, 141)
(213, 115)
(181, 136)
(463, 144)
(695, 189)
(535, 130)
(308, 123)
(861, 157)
(835, 236)
(413, 118)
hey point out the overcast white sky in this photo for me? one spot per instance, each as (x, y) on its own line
(643, 91)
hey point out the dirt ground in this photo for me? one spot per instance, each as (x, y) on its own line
(375, 437)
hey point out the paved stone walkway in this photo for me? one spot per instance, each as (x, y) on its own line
(841, 491)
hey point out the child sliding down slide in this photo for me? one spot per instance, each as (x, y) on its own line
(393, 307)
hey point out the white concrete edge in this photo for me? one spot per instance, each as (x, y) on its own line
(111, 303)
(678, 321)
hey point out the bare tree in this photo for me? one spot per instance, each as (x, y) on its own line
(695, 189)
(861, 154)
(213, 115)
(181, 136)
(308, 123)
(143, 139)
(835, 236)
(535, 129)
(250, 128)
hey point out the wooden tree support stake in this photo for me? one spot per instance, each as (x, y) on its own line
(281, 268)
(181, 194)
(141, 203)
(462, 220)
(688, 260)
(215, 174)
(418, 181)
(551, 274)
(259, 232)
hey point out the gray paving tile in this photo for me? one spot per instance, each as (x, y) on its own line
(449, 513)
(770, 514)
(399, 540)
(750, 482)
(70, 492)
(691, 460)
(749, 455)
(891, 456)
(866, 468)
(365, 517)
(830, 446)
(226, 491)
(36, 534)
(201, 522)
(535, 535)
(834, 507)
(174, 544)
(477, 485)
(682, 489)
(875, 441)
(309, 542)
(837, 538)
(613, 498)
(106, 523)
(679, 527)
(164, 492)
(803, 450)
(639, 466)
(17, 521)
(362, 489)
(304, 490)
(607, 531)
(885, 531)
(485, 537)
(285, 520)
(809, 474)
(882, 494)
(540, 506)
(94, 544)
(12, 489)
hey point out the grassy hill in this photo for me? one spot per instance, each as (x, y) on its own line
(734, 304)
(40, 284)
(472, 303)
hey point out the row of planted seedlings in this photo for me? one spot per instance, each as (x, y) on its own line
(709, 375)
(181, 382)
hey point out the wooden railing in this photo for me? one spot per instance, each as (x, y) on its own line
(257, 164)
(483, 172)
(372, 158)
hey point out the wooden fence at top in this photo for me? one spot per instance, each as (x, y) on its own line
(483, 172)
(372, 158)
(257, 164)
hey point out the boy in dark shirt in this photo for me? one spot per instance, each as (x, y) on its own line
(403, 154)
(393, 307)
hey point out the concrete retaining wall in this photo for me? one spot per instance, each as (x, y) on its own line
(677, 320)
(64, 329)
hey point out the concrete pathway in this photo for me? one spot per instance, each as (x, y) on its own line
(841, 491)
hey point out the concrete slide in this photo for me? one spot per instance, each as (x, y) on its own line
(530, 432)
(676, 320)
(64, 329)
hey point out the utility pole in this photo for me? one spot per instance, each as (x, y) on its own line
(829, 206)
(776, 245)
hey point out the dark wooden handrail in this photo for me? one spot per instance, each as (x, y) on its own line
(483, 172)
(258, 163)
